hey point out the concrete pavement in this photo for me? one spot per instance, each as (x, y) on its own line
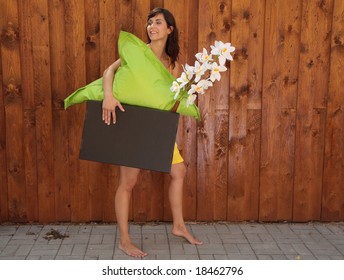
(232, 241)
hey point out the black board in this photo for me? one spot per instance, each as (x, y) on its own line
(142, 137)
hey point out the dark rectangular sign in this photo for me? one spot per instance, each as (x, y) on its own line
(142, 137)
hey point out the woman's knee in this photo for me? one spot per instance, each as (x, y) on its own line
(178, 171)
(128, 177)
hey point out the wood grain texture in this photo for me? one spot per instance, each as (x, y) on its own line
(311, 109)
(29, 111)
(333, 177)
(270, 143)
(13, 108)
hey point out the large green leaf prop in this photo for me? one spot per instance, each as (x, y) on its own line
(141, 80)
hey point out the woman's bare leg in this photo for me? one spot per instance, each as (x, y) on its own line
(178, 172)
(127, 181)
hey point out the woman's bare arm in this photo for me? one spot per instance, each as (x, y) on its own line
(110, 102)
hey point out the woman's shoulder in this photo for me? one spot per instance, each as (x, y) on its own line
(176, 71)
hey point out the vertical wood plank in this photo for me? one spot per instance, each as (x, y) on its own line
(245, 110)
(13, 105)
(208, 12)
(333, 196)
(311, 109)
(97, 172)
(156, 4)
(282, 33)
(238, 188)
(60, 117)
(43, 100)
(29, 130)
(76, 73)
(3, 162)
(109, 53)
(254, 109)
(109, 30)
(189, 127)
(222, 29)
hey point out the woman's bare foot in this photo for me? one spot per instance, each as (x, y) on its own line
(131, 250)
(182, 231)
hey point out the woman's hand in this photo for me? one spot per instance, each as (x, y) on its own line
(109, 108)
(110, 102)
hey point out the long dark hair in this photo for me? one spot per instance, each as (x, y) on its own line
(172, 44)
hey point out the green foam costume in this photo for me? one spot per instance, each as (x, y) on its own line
(141, 80)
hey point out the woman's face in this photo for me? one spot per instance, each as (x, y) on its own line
(157, 28)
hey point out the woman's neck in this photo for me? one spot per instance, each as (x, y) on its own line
(158, 49)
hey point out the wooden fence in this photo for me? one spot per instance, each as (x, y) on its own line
(270, 146)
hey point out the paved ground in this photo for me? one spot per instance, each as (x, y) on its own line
(221, 241)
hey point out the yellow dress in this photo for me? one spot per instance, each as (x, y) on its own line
(177, 158)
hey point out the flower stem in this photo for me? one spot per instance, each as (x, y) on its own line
(175, 106)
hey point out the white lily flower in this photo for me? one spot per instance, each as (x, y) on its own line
(189, 70)
(204, 57)
(183, 79)
(199, 70)
(190, 100)
(175, 88)
(223, 51)
(205, 84)
(200, 87)
(215, 71)
(191, 81)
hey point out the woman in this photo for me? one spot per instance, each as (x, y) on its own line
(163, 41)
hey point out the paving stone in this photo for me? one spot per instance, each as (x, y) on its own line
(47, 257)
(266, 249)
(234, 228)
(234, 238)
(232, 248)
(96, 239)
(213, 238)
(253, 238)
(279, 257)
(204, 250)
(65, 250)
(4, 240)
(220, 257)
(184, 257)
(109, 239)
(207, 257)
(190, 249)
(70, 257)
(13, 258)
(30, 257)
(264, 257)
(241, 257)
(8, 230)
(301, 249)
(232, 241)
(108, 229)
(221, 228)
(253, 228)
(266, 238)
(41, 252)
(301, 257)
(23, 250)
(79, 249)
(163, 257)
(245, 249)
(9, 251)
(287, 249)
